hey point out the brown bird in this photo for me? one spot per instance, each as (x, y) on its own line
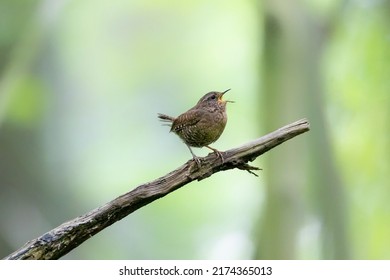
(203, 124)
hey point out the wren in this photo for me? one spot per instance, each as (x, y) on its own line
(201, 125)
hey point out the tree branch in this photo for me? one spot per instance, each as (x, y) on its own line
(64, 238)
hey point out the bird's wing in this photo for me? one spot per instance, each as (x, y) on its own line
(189, 118)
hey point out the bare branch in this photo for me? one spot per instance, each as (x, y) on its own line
(64, 238)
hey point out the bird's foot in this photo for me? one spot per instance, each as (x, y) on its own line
(218, 153)
(197, 160)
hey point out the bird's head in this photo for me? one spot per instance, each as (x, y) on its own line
(214, 98)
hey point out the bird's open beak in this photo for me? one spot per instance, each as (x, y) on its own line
(225, 91)
(221, 100)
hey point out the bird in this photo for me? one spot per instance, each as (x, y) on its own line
(201, 125)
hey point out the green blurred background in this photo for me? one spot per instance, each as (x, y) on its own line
(82, 81)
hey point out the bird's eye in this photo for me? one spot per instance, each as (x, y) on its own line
(213, 97)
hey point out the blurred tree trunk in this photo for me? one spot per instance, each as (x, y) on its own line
(23, 178)
(294, 44)
(13, 136)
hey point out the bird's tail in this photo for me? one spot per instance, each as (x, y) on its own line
(165, 118)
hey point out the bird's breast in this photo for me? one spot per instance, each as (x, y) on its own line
(206, 131)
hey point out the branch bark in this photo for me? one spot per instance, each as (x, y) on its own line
(64, 238)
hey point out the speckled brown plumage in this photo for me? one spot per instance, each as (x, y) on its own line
(203, 124)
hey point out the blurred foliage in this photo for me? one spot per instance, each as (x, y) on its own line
(81, 83)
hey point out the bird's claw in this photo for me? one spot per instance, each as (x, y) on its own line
(219, 154)
(197, 160)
